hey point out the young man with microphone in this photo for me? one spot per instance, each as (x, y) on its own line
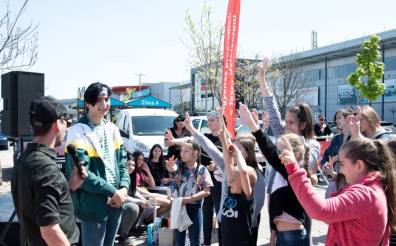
(39, 189)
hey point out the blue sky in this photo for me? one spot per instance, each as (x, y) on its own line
(110, 41)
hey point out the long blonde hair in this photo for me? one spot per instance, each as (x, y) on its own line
(300, 149)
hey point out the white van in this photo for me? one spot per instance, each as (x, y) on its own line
(143, 127)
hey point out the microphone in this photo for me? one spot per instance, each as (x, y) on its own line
(71, 149)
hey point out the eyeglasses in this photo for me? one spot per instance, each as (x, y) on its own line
(322, 119)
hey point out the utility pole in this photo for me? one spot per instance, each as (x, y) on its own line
(140, 79)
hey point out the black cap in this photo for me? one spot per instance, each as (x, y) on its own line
(46, 110)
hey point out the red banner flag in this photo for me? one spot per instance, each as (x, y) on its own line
(229, 57)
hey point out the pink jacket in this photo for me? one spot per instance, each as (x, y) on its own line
(357, 214)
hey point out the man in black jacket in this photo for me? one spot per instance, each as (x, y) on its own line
(39, 189)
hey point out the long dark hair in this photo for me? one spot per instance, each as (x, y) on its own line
(136, 155)
(303, 114)
(376, 156)
(132, 176)
(161, 158)
(344, 112)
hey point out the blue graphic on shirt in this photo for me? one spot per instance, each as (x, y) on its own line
(228, 208)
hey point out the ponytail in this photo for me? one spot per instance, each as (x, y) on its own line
(388, 179)
(376, 157)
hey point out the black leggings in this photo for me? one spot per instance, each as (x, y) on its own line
(211, 202)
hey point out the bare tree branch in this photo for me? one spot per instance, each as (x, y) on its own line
(18, 45)
(286, 79)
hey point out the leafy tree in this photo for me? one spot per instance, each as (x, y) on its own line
(205, 45)
(369, 69)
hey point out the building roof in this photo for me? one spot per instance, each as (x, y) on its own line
(344, 49)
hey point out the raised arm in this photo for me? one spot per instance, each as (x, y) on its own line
(265, 144)
(228, 161)
(247, 174)
(208, 146)
(269, 100)
(335, 209)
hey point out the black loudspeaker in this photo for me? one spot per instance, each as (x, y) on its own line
(18, 89)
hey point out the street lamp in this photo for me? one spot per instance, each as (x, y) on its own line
(140, 79)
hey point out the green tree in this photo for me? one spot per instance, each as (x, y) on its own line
(369, 70)
(205, 45)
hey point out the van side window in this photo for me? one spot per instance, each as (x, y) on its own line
(204, 127)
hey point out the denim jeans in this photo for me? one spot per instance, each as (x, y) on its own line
(195, 214)
(292, 238)
(101, 233)
(131, 213)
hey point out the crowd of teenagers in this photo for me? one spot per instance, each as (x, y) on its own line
(214, 179)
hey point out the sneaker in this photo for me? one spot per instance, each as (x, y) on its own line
(125, 241)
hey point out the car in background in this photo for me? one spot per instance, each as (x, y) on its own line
(141, 128)
(3, 141)
(389, 126)
(200, 123)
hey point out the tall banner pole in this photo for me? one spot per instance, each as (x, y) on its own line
(229, 63)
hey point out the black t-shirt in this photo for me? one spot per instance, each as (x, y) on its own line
(41, 194)
(327, 131)
(236, 216)
(174, 150)
(158, 170)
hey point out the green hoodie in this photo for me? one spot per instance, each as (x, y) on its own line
(90, 200)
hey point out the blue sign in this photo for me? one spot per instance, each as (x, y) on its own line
(141, 93)
(113, 103)
(149, 102)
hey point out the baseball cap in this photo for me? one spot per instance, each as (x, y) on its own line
(46, 110)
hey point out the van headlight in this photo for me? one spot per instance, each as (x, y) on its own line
(141, 146)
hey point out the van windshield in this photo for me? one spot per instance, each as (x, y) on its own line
(151, 125)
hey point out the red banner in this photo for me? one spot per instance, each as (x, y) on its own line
(229, 57)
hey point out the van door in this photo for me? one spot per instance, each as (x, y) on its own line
(128, 142)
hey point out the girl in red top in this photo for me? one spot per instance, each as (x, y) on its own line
(362, 212)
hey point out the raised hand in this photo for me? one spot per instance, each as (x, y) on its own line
(169, 136)
(145, 167)
(212, 167)
(188, 123)
(255, 116)
(287, 156)
(247, 117)
(171, 164)
(353, 122)
(261, 76)
(262, 69)
(328, 167)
